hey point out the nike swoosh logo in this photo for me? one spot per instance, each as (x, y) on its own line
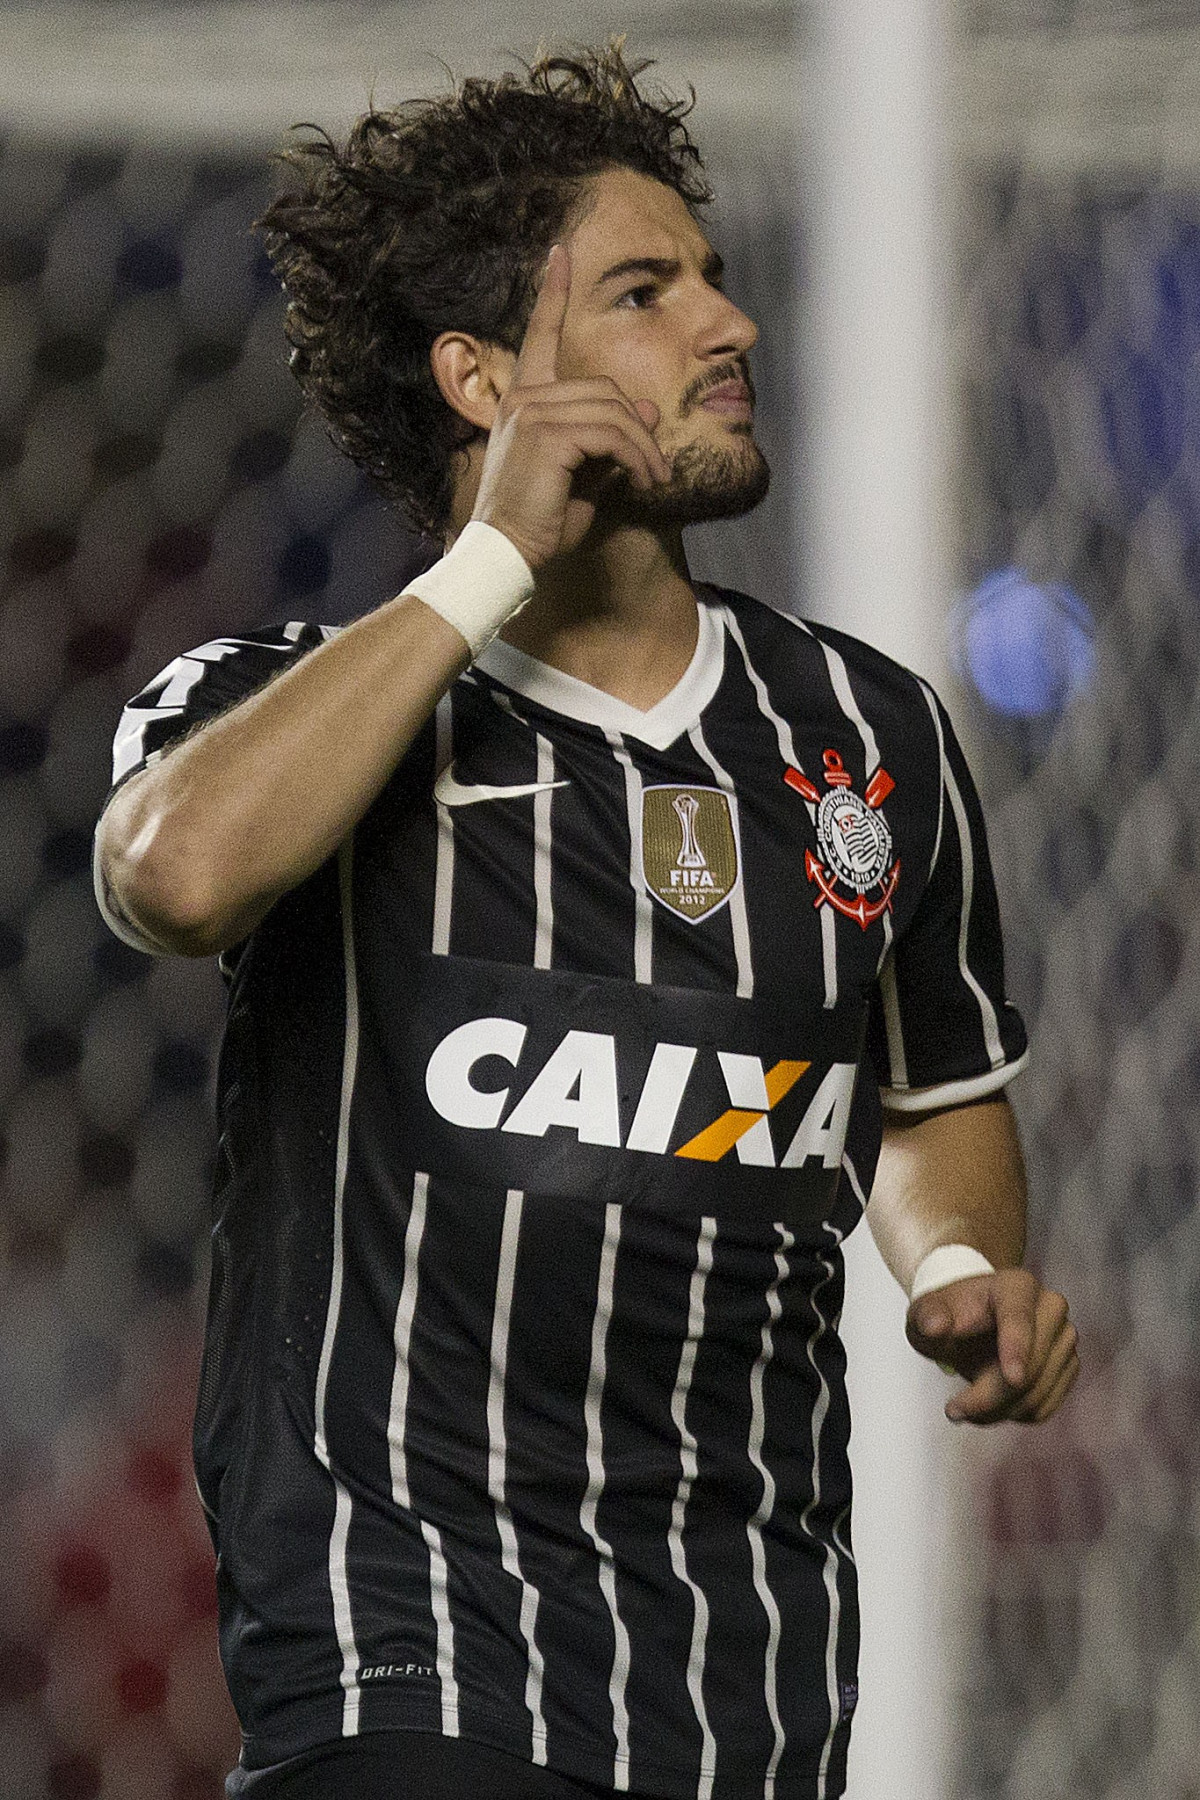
(454, 793)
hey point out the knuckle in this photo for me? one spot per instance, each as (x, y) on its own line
(596, 390)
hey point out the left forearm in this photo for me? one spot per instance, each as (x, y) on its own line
(958, 1178)
(954, 1177)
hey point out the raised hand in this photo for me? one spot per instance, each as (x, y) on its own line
(547, 430)
(1008, 1336)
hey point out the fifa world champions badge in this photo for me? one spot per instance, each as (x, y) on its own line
(854, 871)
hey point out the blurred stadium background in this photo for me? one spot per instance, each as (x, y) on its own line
(158, 487)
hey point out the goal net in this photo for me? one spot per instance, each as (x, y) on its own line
(1078, 332)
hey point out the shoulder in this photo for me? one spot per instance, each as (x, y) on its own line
(241, 659)
(875, 682)
(266, 648)
(202, 682)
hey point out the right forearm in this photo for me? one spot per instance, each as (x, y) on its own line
(197, 848)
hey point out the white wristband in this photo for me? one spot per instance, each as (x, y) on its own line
(949, 1262)
(478, 585)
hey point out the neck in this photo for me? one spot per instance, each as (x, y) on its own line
(619, 612)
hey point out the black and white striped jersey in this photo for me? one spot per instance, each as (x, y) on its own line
(545, 1107)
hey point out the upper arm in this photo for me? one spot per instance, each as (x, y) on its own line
(941, 1030)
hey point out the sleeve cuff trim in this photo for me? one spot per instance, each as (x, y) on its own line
(951, 1093)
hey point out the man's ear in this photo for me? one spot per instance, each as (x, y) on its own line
(473, 376)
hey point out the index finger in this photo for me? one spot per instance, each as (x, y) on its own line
(537, 359)
(1015, 1303)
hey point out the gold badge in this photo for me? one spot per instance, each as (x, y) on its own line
(689, 848)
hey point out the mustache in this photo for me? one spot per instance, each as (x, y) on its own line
(738, 370)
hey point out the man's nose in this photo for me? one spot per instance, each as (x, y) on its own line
(729, 329)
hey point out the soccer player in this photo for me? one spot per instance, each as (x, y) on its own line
(577, 918)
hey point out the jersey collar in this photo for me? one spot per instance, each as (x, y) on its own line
(566, 694)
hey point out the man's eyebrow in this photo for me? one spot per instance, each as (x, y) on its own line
(663, 268)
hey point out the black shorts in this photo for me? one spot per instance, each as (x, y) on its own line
(408, 1765)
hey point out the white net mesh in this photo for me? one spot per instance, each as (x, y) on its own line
(1079, 349)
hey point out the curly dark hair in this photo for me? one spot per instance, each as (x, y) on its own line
(436, 216)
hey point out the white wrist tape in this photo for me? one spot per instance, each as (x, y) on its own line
(478, 585)
(949, 1262)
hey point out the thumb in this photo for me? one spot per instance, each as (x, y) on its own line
(647, 412)
(930, 1317)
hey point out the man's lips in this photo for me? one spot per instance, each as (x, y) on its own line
(732, 399)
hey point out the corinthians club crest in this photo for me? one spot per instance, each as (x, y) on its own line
(854, 841)
(689, 849)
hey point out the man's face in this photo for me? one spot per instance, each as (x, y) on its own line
(646, 309)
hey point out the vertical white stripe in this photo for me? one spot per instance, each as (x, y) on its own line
(737, 900)
(987, 1012)
(829, 957)
(855, 1183)
(931, 703)
(543, 940)
(688, 1473)
(497, 1464)
(542, 842)
(949, 787)
(787, 752)
(406, 1307)
(338, 1576)
(766, 1506)
(783, 731)
(439, 1588)
(893, 1025)
(888, 935)
(643, 921)
(443, 879)
(830, 1572)
(619, 1674)
(840, 682)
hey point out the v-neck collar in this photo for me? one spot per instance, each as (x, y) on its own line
(659, 726)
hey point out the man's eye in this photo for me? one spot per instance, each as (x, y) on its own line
(639, 296)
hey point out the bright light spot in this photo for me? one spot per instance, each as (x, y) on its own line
(1026, 646)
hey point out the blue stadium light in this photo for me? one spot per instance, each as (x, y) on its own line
(1027, 646)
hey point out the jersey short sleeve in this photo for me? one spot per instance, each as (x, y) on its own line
(192, 690)
(941, 1030)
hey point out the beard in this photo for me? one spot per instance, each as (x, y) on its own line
(707, 482)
